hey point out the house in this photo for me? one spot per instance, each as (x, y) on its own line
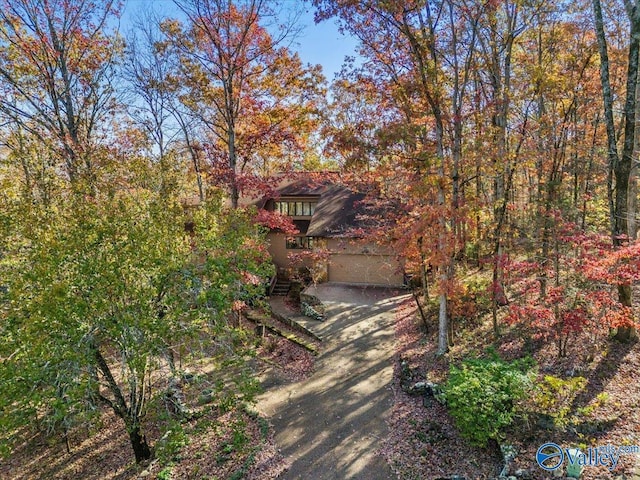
(330, 220)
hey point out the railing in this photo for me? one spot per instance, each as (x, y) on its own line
(272, 284)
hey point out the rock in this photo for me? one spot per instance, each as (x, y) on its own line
(523, 473)
(424, 388)
(310, 299)
(406, 375)
(311, 311)
(509, 453)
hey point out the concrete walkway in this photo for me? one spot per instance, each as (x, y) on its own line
(329, 426)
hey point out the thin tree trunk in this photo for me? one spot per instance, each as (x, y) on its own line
(587, 184)
(139, 443)
(235, 192)
(423, 271)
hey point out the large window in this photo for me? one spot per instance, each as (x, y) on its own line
(299, 243)
(295, 209)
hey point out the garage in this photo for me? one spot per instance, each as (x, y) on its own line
(369, 269)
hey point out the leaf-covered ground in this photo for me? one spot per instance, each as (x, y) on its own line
(425, 443)
(214, 444)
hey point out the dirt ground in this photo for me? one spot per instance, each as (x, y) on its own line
(330, 426)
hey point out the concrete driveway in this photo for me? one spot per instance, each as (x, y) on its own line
(329, 426)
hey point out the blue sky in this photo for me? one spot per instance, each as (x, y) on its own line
(317, 44)
(324, 44)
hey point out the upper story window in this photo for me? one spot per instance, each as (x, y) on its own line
(295, 209)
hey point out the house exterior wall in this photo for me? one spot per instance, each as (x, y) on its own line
(280, 256)
(356, 247)
(358, 262)
(365, 269)
(349, 262)
(278, 250)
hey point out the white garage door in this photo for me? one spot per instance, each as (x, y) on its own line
(364, 269)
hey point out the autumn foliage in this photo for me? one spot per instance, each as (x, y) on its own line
(585, 274)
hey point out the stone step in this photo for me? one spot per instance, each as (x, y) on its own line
(281, 288)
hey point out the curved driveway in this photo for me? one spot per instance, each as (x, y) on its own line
(329, 426)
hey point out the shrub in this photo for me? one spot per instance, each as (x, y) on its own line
(483, 394)
(554, 397)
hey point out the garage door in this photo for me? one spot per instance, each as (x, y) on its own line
(364, 269)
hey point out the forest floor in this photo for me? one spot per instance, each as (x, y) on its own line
(227, 443)
(603, 410)
(419, 439)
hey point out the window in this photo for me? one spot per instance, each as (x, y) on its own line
(295, 209)
(307, 209)
(299, 243)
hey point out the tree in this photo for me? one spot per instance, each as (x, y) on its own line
(254, 98)
(500, 25)
(148, 70)
(56, 66)
(586, 269)
(424, 53)
(100, 290)
(620, 163)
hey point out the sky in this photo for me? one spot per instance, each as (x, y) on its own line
(317, 44)
(323, 44)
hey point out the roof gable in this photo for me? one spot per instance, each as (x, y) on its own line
(338, 213)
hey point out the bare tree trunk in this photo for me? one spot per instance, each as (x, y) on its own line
(139, 443)
(497, 46)
(632, 200)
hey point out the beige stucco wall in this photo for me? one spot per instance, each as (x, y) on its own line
(365, 269)
(350, 261)
(358, 247)
(280, 254)
(363, 263)
(278, 249)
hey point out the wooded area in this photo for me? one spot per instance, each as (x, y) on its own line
(503, 132)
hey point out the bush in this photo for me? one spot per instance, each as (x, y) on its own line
(554, 397)
(483, 395)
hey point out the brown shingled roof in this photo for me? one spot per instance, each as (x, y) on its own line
(338, 213)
